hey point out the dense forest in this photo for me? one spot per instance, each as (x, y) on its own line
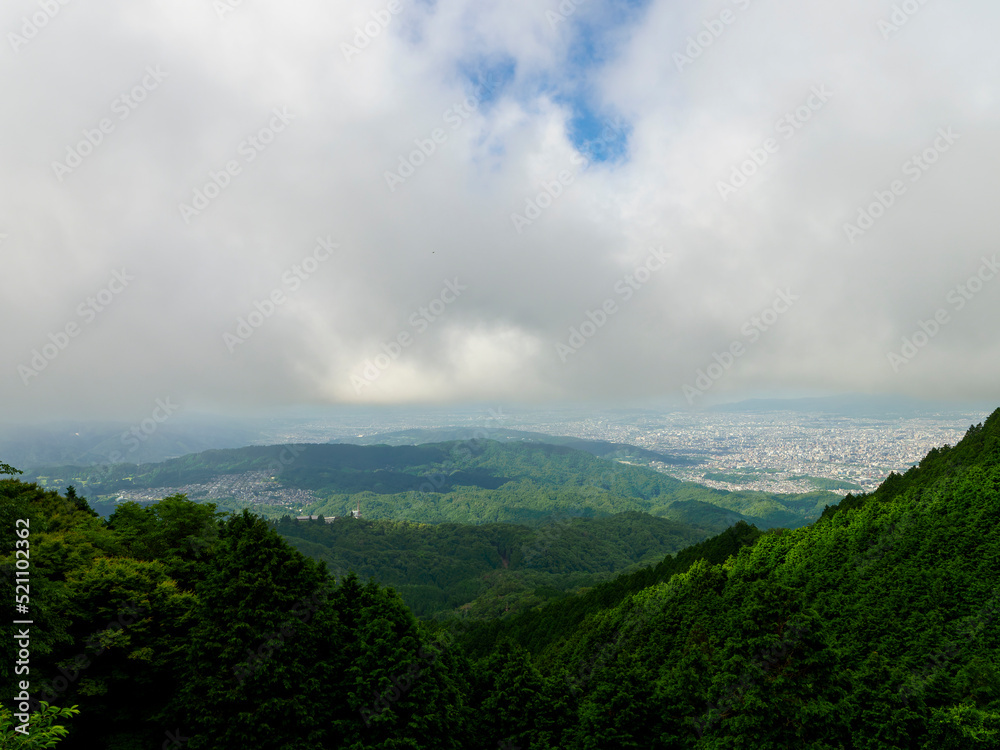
(875, 627)
(489, 569)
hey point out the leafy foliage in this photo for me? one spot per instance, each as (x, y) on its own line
(489, 569)
(541, 628)
(42, 731)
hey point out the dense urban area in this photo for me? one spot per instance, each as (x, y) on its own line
(771, 451)
(777, 446)
(756, 451)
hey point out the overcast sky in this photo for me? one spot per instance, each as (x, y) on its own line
(480, 200)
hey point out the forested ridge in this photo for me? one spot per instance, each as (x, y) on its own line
(874, 627)
(472, 481)
(490, 569)
(600, 448)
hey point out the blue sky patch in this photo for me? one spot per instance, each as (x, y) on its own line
(486, 79)
(594, 31)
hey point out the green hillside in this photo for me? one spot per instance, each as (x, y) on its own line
(539, 628)
(533, 481)
(474, 481)
(491, 569)
(877, 627)
(599, 448)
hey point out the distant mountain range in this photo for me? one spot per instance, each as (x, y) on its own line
(599, 448)
(147, 440)
(853, 405)
(95, 443)
(473, 481)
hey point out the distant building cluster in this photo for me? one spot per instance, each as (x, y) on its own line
(250, 488)
(778, 445)
(766, 452)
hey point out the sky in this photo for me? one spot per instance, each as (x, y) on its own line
(239, 205)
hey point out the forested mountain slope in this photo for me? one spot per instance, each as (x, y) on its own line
(878, 627)
(486, 481)
(539, 628)
(472, 481)
(490, 569)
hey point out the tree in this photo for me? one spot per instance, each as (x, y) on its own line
(80, 502)
(43, 731)
(516, 703)
(263, 648)
(399, 689)
(175, 531)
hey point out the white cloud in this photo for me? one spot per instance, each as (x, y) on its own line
(354, 120)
